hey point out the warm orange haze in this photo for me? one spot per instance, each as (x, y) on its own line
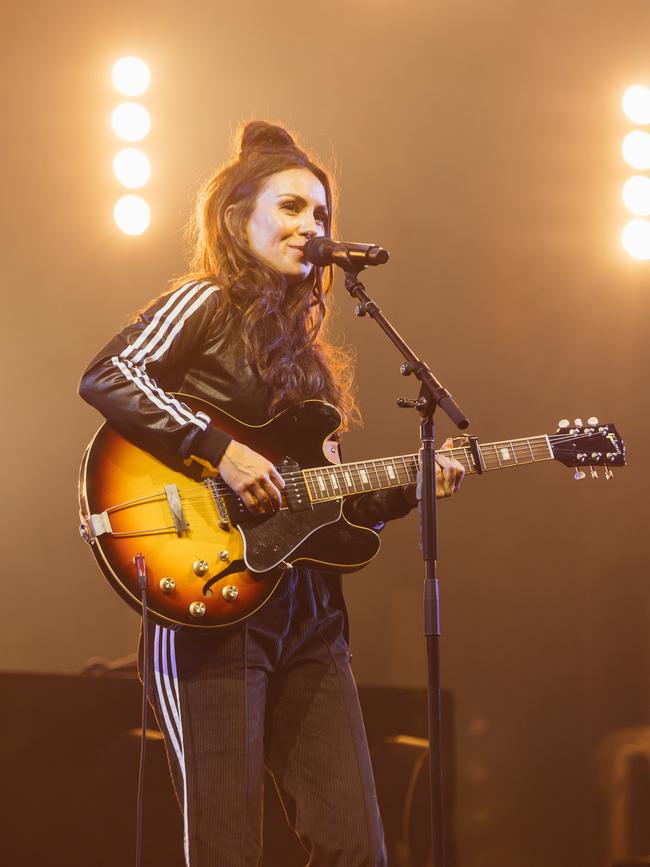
(501, 154)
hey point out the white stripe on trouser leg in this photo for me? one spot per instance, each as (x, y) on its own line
(172, 654)
(169, 702)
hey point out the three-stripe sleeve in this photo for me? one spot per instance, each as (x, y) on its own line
(122, 380)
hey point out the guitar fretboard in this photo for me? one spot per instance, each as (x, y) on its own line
(337, 480)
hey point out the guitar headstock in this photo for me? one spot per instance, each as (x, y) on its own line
(592, 445)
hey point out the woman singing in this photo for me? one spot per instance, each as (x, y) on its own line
(244, 331)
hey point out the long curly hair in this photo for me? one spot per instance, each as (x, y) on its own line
(283, 327)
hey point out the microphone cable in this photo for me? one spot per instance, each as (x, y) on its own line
(141, 568)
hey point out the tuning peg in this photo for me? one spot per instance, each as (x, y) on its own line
(563, 423)
(609, 473)
(579, 474)
(594, 472)
(578, 422)
(592, 421)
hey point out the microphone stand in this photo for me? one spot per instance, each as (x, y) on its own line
(432, 395)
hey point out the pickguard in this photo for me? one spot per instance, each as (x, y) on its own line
(272, 541)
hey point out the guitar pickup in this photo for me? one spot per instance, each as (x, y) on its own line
(295, 491)
(176, 508)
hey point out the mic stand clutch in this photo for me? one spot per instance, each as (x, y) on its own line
(432, 395)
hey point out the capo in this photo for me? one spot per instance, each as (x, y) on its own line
(475, 451)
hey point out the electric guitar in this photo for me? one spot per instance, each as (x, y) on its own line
(210, 562)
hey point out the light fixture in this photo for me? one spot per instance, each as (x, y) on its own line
(636, 104)
(131, 76)
(636, 195)
(132, 168)
(132, 215)
(636, 239)
(636, 149)
(131, 121)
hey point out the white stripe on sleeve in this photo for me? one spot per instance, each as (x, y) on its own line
(153, 325)
(162, 349)
(157, 396)
(165, 328)
(196, 419)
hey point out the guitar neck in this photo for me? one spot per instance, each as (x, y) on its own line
(327, 483)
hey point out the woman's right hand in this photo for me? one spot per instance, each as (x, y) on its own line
(252, 477)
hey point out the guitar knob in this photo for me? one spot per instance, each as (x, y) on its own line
(167, 585)
(579, 474)
(592, 421)
(230, 592)
(578, 422)
(224, 555)
(200, 567)
(563, 423)
(197, 609)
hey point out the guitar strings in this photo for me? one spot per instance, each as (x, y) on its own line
(378, 465)
(206, 489)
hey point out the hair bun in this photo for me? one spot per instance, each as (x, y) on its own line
(258, 135)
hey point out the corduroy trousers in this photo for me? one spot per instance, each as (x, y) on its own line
(276, 691)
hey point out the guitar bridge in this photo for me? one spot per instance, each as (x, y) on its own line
(176, 508)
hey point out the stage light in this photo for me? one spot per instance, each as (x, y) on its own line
(636, 239)
(636, 149)
(636, 103)
(132, 215)
(131, 76)
(636, 195)
(132, 168)
(132, 121)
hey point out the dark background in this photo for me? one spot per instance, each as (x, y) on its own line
(479, 142)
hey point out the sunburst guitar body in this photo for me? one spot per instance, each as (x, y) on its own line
(209, 562)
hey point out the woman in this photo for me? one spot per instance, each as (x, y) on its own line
(244, 331)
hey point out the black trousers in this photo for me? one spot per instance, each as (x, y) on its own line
(274, 691)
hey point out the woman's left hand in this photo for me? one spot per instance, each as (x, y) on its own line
(449, 472)
(449, 475)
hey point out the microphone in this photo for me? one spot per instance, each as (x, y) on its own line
(349, 256)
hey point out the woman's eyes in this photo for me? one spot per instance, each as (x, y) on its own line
(294, 208)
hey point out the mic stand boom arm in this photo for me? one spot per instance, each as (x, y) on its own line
(432, 394)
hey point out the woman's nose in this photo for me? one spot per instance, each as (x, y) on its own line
(308, 225)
